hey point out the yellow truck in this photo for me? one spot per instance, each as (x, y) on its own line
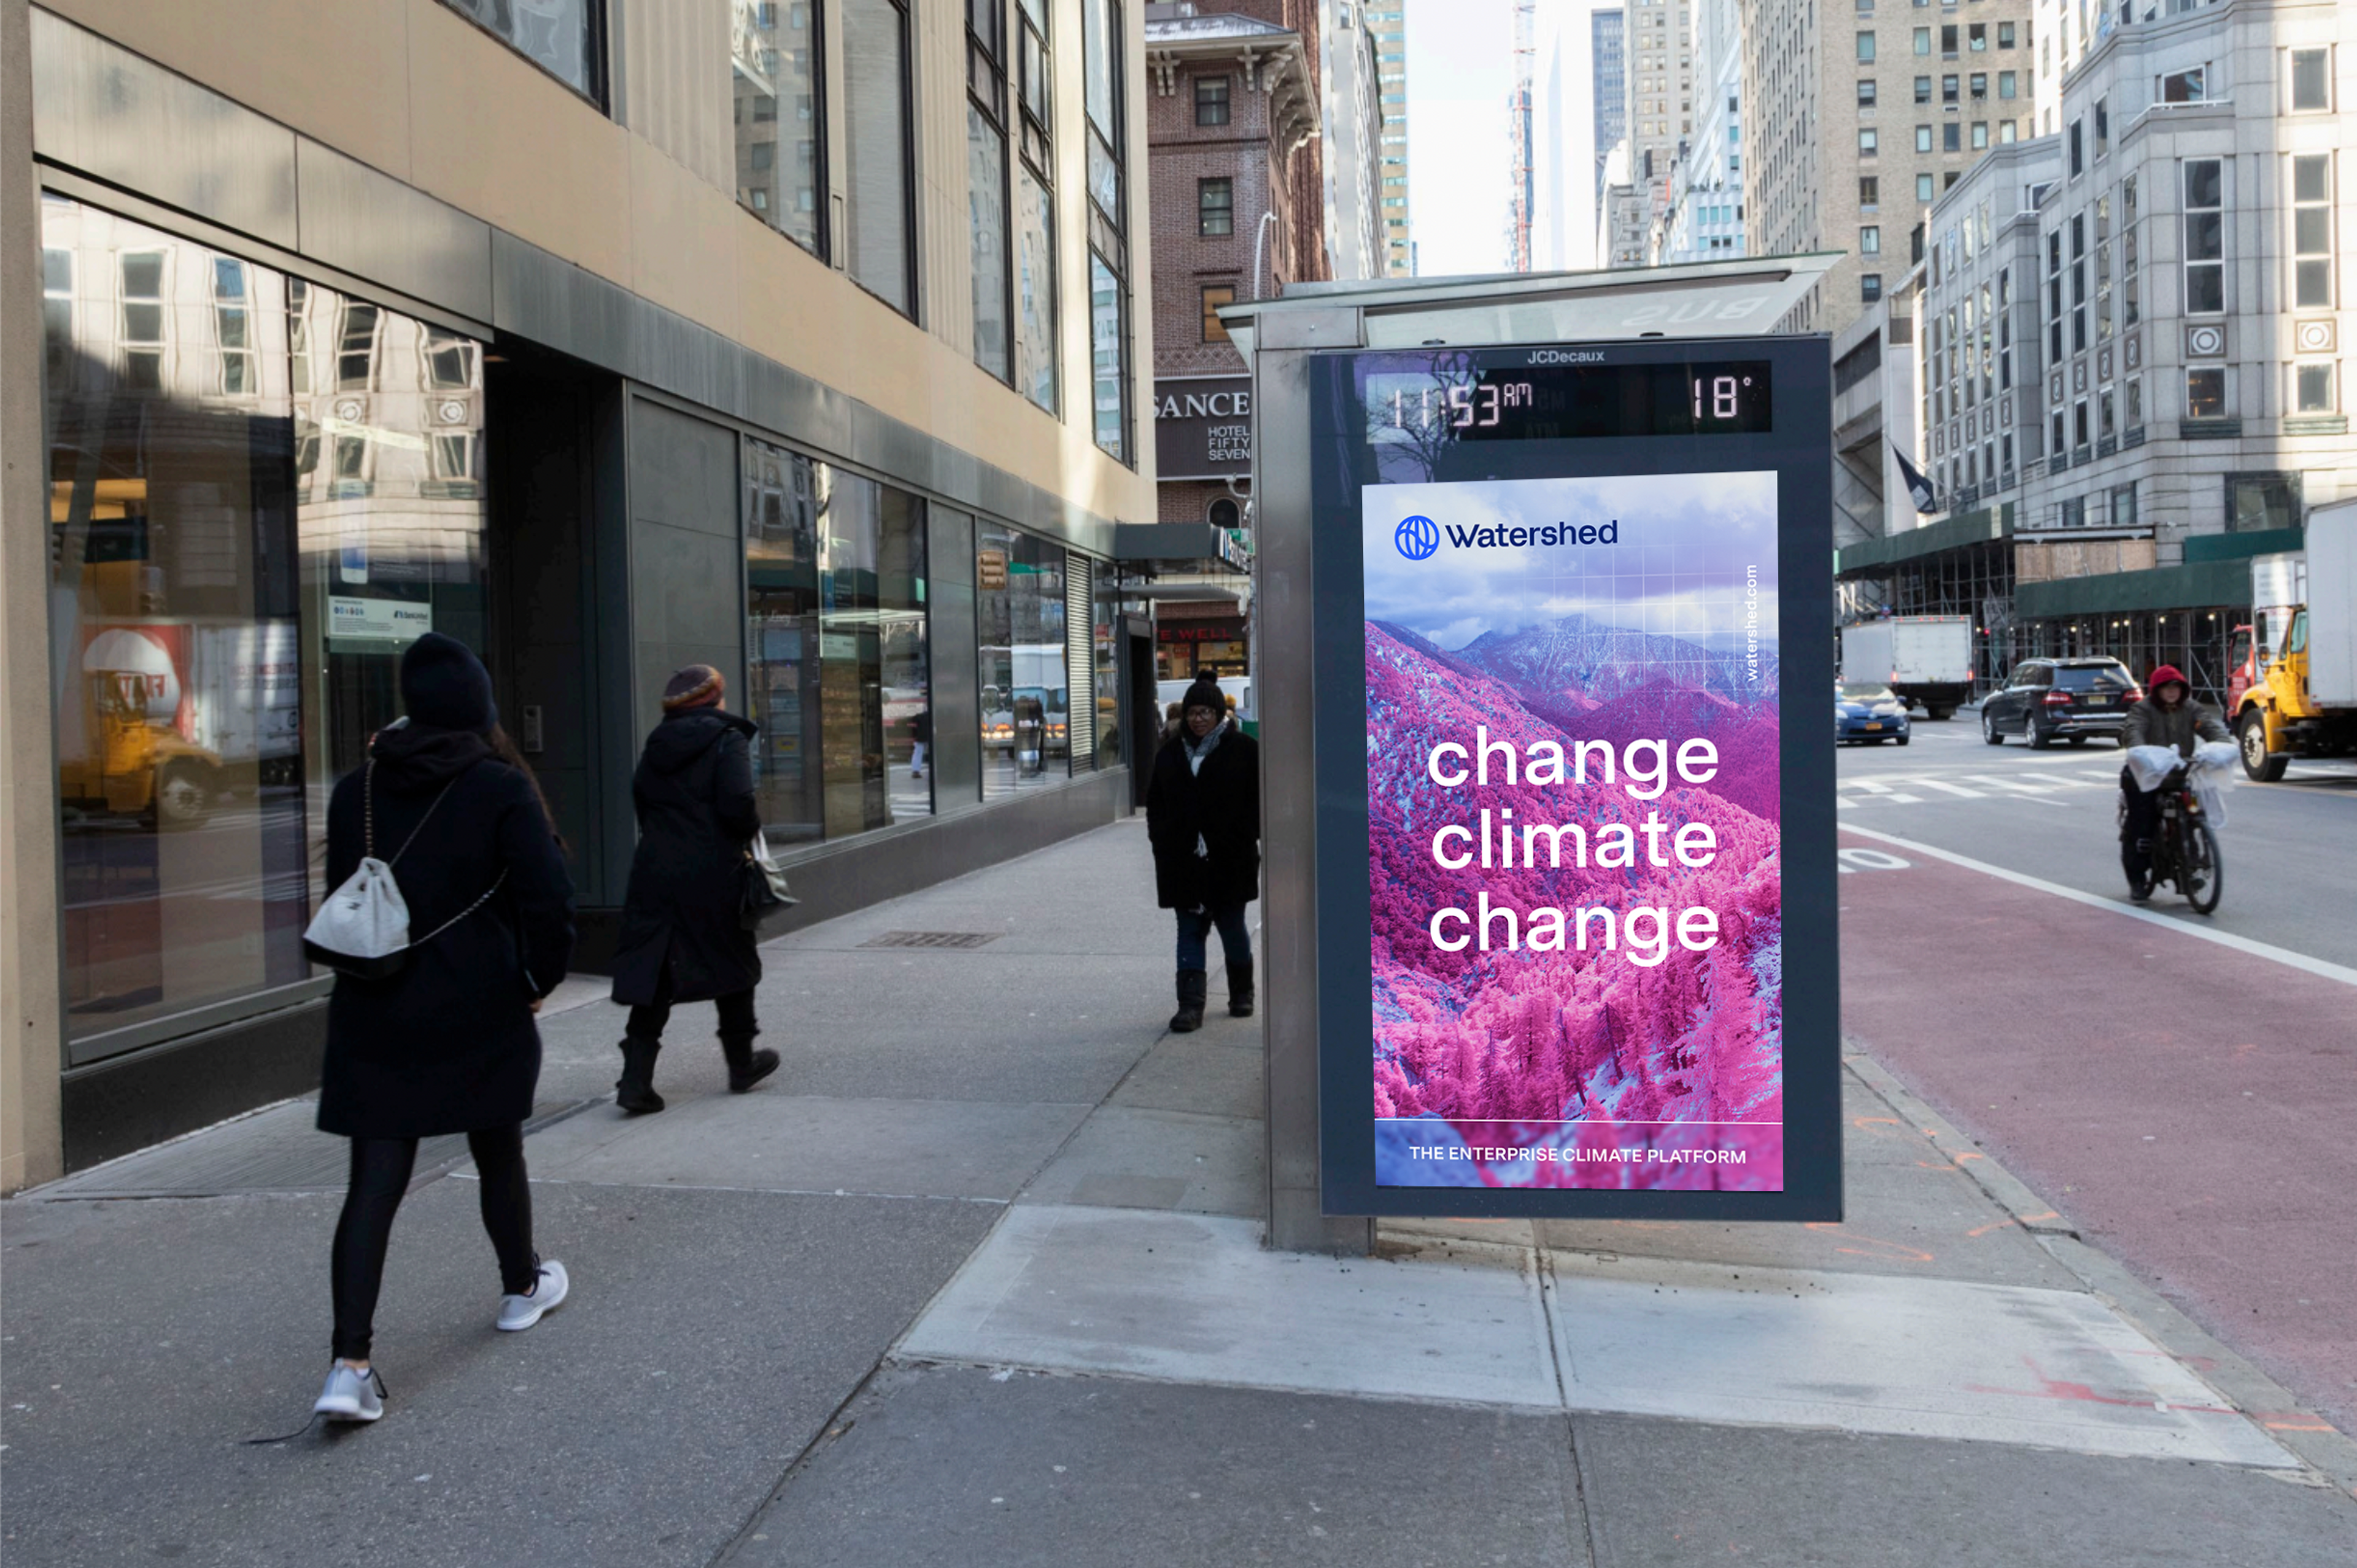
(2302, 701)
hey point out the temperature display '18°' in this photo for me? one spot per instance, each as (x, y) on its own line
(1543, 403)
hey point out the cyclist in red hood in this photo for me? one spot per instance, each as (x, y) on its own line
(2168, 716)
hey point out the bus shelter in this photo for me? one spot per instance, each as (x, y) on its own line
(1548, 908)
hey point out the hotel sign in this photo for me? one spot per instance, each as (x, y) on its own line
(1202, 427)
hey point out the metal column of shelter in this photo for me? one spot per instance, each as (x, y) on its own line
(1278, 336)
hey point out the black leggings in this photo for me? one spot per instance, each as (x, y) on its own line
(379, 1179)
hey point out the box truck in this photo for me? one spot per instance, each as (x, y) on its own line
(174, 713)
(1926, 660)
(2300, 697)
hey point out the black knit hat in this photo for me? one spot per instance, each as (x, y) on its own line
(1205, 693)
(444, 684)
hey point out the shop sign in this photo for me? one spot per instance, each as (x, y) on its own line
(1575, 871)
(990, 571)
(1228, 630)
(1202, 427)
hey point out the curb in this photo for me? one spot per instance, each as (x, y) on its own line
(2314, 1441)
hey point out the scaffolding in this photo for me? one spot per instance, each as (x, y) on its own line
(1977, 580)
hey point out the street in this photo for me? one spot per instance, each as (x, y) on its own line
(2183, 1101)
(2289, 848)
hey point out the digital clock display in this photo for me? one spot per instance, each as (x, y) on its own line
(1458, 400)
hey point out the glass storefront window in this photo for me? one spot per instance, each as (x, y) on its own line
(1105, 610)
(174, 607)
(1020, 660)
(240, 552)
(839, 664)
(782, 639)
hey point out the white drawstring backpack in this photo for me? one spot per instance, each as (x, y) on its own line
(362, 929)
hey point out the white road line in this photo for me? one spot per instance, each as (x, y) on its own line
(1952, 788)
(2316, 966)
(2004, 782)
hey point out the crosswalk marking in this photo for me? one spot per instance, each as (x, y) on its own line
(1942, 785)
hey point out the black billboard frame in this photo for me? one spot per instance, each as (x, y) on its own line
(1799, 449)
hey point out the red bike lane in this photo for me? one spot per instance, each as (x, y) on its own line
(2190, 1109)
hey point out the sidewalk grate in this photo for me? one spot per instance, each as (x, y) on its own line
(932, 939)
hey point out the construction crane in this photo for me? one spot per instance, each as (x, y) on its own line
(1518, 133)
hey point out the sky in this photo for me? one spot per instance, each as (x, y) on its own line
(1678, 569)
(1460, 66)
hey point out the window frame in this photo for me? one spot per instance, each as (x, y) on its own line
(595, 50)
(1204, 184)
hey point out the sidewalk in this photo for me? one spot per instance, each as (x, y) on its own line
(975, 1281)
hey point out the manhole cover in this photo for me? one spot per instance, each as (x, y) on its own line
(932, 939)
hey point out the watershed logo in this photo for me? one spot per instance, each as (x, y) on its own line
(1418, 538)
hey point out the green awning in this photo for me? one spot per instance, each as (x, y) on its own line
(1978, 527)
(2197, 585)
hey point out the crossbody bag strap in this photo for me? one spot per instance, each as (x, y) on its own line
(462, 914)
(421, 822)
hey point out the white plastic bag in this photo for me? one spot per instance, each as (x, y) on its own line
(2148, 765)
(2213, 764)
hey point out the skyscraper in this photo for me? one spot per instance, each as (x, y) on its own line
(1609, 84)
(1388, 21)
(1658, 47)
(1836, 162)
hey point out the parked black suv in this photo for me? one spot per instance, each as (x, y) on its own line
(2060, 699)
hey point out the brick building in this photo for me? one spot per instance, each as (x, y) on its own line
(1237, 172)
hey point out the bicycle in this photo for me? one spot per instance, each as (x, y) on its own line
(2184, 848)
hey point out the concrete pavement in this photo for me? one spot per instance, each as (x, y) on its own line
(975, 1281)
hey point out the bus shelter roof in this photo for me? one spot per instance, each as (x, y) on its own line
(1740, 298)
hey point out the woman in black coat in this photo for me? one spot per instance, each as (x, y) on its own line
(447, 1043)
(1202, 817)
(683, 937)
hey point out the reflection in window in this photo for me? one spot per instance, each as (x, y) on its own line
(356, 347)
(987, 232)
(2205, 393)
(558, 36)
(2205, 236)
(173, 601)
(2311, 236)
(1035, 291)
(838, 659)
(1108, 359)
(774, 80)
(875, 126)
(781, 641)
(142, 275)
(2263, 502)
(1021, 662)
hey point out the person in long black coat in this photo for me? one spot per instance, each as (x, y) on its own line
(683, 937)
(1202, 817)
(447, 1043)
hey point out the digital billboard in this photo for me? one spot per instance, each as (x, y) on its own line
(1575, 870)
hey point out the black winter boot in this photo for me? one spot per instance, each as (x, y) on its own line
(1192, 990)
(634, 1091)
(1240, 989)
(746, 1066)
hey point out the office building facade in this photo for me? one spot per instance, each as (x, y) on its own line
(1858, 121)
(803, 340)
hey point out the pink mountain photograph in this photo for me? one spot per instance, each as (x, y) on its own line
(1649, 1063)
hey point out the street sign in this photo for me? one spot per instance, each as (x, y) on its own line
(1574, 872)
